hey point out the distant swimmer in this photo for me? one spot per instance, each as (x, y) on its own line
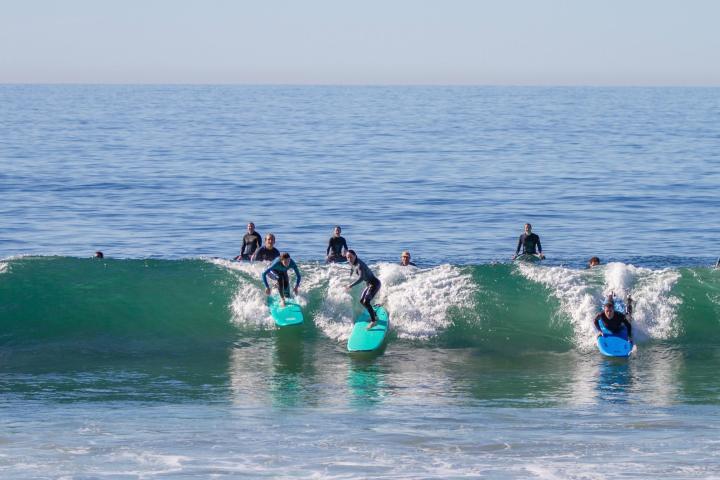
(267, 252)
(529, 243)
(99, 254)
(612, 320)
(372, 284)
(337, 247)
(278, 271)
(405, 259)
(593, 262)
(251, 242)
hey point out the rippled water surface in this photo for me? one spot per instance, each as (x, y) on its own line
(161, 361)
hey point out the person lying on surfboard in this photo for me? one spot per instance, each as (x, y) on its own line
(278, 270)
(372, 284)
(612, 320)
(267, 252)
(337, 247)
(528, 241)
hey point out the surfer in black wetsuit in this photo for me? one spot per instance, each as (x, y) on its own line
(530, 243)
(337, 247)
(612, 320)
(372, 284)
(268, 252)
(405, 259)
(251, 242)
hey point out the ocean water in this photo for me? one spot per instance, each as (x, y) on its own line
(161, 360)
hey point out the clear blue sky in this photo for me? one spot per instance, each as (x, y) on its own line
(502, 42)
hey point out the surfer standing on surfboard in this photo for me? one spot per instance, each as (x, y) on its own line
(528, 241)
(612, 320)
(372, 284)
(278, 270)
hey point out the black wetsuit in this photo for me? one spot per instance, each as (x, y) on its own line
(372, 285)
(336, 245)
(251, 242)
(264, 254)
(528, 244)
(409, 264)
(613, 324)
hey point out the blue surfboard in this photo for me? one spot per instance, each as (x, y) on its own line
(364, 340)
(291, 314)
(615, 344)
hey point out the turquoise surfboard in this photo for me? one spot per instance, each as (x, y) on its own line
(364, 340)
(291, 314)
(615, 344)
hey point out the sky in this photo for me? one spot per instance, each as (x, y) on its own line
(368, 42)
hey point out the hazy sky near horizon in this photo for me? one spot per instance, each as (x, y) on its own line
(511, 42)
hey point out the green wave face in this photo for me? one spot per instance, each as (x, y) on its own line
(163, 305)
(113, 305)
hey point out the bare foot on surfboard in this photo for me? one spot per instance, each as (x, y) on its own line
(372, 324)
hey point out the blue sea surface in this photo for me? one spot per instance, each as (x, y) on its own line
(161, 360)
(450, 173)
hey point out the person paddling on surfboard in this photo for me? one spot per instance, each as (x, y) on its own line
(251, 242)
(278, 270)
(372, 284)
(267, 252)
(337, 247)
(528, 241)
(612, 320)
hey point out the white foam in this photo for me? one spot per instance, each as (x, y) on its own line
(417, 300)
(249, 305)
(578, 299)
(580, 295)
(3, 267)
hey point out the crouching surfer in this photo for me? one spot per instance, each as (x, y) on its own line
(278, 271)
(372, 284)
(612, 320)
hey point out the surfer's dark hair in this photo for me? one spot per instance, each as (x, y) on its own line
(284, 255)
(353, 252)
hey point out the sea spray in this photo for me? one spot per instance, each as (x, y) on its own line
(419, 300)
(578, 299)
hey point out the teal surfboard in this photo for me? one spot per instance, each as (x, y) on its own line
(291, 314)
(364, 340)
